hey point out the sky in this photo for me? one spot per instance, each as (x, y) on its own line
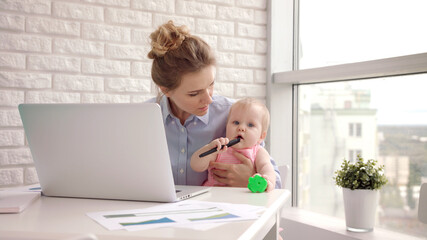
(336, 32)
(399, 100)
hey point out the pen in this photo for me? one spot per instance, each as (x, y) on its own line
(229, 144)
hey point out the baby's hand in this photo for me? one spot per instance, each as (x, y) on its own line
(270, 185)
(218, 143)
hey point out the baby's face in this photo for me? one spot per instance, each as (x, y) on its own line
(246, 124)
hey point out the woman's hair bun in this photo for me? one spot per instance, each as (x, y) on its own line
(167, 37)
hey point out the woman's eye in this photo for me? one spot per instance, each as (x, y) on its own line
(192, 94)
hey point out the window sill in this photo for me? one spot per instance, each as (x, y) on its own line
(302, 224)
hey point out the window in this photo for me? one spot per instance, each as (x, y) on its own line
(333, 32)
(394, 133)
(358, 129)
(357, 87)
(355, 129)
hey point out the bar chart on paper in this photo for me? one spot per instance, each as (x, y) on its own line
(183, 214)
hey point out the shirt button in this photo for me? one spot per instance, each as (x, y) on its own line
(183, 150)
(173, 122)
(181, 171)
(195, 123)
(182, 129)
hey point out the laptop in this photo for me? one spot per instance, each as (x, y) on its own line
(103, 151)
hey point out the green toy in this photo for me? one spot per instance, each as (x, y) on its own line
(257, 184)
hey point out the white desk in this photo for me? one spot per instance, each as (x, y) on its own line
(62, 218)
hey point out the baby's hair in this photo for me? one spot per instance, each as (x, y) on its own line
(176, 52)
(250, 102)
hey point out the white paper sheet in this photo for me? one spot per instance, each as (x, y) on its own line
(188, 214)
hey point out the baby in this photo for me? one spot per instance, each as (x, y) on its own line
(248, 120)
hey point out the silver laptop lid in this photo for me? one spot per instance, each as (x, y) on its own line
(109, 151)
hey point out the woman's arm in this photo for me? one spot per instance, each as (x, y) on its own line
(237, 175)
(234, 175)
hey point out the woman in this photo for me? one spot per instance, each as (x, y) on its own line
(184, 70)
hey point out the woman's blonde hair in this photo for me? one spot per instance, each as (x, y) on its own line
(176, 52)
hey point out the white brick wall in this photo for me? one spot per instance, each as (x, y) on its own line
(94, 51)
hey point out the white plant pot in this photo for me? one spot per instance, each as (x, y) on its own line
(360, 207)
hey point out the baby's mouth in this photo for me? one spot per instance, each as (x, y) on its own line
(240, 137)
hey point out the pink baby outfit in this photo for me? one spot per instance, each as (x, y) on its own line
(228, 157)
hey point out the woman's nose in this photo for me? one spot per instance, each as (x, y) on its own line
(207, 97)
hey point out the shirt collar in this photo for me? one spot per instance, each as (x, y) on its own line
(166, 111)
(168, 115)
(205, 118)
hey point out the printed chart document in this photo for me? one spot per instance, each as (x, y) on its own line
(189, 213)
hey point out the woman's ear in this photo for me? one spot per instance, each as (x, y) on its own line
(164, 90)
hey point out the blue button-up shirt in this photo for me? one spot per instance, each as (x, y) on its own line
(197, 131)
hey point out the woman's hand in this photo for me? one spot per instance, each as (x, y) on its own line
(233, 175)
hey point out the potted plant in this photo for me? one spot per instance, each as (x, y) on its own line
(360, 183)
